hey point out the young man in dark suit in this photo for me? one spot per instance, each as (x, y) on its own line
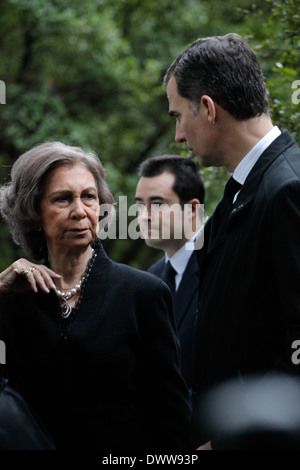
(170, 197)
(249, 299)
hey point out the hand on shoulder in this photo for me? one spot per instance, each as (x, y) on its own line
(22, 275)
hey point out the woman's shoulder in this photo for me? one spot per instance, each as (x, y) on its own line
(135, 274)
(121, 274)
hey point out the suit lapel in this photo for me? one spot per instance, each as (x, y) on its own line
(187, 287)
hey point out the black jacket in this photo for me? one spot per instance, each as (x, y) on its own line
(185, 307)
(111, 381)
(249, 308)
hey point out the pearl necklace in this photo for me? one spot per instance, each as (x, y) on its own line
(65, 307)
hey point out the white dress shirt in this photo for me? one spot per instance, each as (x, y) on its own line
(245, 166)
(181, 258)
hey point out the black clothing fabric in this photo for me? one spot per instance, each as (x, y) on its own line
(168, 276)
(20, 428)
(221, 214)
(110, 379)
(185, 307)
(249, 300)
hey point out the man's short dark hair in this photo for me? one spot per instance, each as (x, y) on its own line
(188, 180)
(226, 69)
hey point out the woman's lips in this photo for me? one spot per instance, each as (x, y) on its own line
(80, 231)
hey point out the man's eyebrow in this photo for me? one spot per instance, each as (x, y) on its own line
(157, 198)
(152, 198)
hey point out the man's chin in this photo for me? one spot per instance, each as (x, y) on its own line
(153, 243)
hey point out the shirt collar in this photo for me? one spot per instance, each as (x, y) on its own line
(245, 166)
(181, 258)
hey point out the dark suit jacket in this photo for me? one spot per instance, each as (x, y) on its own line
(249, 309)
(111, 381)
(185, 306)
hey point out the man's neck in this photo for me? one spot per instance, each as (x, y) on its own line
(242, 137)
(170, 251)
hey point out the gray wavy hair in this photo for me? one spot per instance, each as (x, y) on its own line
(20, 198)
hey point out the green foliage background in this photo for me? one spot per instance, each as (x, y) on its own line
(89, 73)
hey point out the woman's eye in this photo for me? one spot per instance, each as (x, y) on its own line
(61, 199)
(89, 198)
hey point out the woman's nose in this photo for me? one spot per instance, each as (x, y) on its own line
(77, 210)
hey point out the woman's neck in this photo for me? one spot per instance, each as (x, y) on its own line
(71, 266)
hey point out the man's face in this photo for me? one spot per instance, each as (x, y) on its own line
(191, 125)
(160, 213)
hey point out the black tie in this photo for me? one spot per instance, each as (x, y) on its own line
(231, 188)
(168, 276)
(222, 211)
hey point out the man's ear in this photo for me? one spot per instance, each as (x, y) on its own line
(193, 206)
(193, 214)
(209, 108)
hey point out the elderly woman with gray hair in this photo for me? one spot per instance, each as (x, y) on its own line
(91, 343)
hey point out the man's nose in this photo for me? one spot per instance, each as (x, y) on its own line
(144, 214)
(179, 135)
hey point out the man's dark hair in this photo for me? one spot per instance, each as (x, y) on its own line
(226, 69)
(188, 180)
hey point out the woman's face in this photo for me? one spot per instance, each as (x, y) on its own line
(69, 208)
